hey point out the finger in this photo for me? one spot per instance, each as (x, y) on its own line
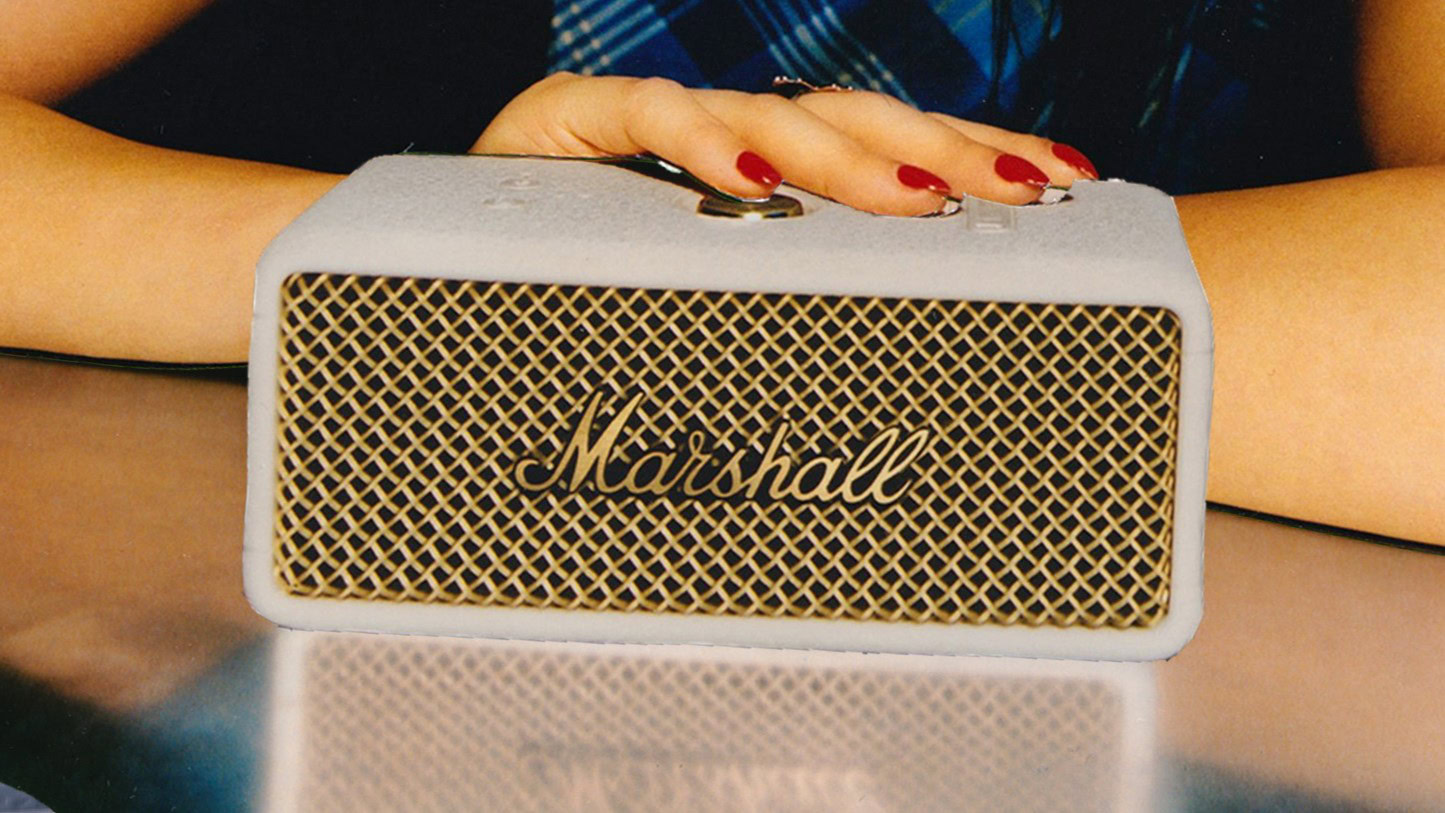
(1062, 163)
(895, 129)
(614, 115)
(814, 155)
(662, 117)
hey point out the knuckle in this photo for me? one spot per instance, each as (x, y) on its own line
(557, 78)
(649, 100)
(655, 89)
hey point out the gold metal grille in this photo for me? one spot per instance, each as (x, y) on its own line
(1044, 495)
(403, 723)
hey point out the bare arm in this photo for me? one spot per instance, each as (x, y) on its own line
(52, 48)
(122, 250)
(113, 248)
(1401, 80)
(1329, 318)
(1329, 310)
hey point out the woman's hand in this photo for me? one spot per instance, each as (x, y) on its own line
(864, 149)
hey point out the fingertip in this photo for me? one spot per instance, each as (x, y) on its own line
(914, 203)
(1018, 181)
(889, 198)
(1075, 159)
(748, 175)
(757, 169)
(1017, 170)
(915, 177)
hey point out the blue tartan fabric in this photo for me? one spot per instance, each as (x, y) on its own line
(1230, 113)
(934, 54)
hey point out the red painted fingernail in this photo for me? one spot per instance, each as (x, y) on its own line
(920, 178)
(1075, 159)
(755, 169)
(1016, 170)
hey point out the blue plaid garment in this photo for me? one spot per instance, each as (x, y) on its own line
(933, 54)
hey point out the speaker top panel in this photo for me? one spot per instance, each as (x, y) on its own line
(582, 222)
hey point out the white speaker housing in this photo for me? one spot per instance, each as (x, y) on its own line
(523, 220)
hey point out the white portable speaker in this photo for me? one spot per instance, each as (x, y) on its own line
(531, 398)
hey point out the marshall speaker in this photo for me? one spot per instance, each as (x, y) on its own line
(531, 398)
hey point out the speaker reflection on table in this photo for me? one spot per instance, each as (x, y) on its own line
(376, 722)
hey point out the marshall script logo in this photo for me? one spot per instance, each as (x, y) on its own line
(877, 473)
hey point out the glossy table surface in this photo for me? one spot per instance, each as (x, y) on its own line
(133, 674)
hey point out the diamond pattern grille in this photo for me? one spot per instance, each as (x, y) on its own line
(1044, 495)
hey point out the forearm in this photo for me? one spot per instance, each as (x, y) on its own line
(1329, 318)
(51, 48)
(121, 250)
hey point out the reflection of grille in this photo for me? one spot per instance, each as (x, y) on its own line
(391, 723)
(1044, 496)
